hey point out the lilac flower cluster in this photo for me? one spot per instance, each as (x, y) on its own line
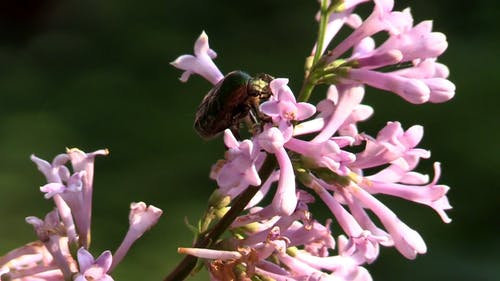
(62, 251)
(341, 166)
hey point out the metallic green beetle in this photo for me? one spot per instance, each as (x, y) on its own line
(234, 98)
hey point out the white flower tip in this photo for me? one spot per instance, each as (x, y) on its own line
(414, 244)
(395, 56)
(201, 45)
(229, 140)
(201, 42)
(174, 63)
(33, 221)
(441, 70)
(442, 91)
(446, 219)
(332, 94)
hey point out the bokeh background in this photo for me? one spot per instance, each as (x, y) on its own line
(95, 74)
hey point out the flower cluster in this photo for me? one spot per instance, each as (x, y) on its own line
(62, 251)
(341, 166)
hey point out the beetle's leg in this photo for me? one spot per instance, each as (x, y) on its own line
(257, 117)
(252, 117)
(239, 115)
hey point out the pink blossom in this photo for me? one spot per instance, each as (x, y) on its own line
(362, 245)
(343, 268)
(408, 242)
(405, 43)
(201, 63)
(283, 108)
(285, 199)
(210, 254)
(141, 219)
(337, 20)
(93, 269)
(434, 75)
(379, 59)
(325, 154)
(412, 90)
(418, 42)
(345, 100)
(239, 168)
(54, 172)
(431, 194)
(74, 184)
(52, 233)
(29, 262)
(84, 162)
(72, 193)
(341, 111)
(391, 143)
(382, 18)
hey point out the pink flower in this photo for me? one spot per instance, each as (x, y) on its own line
(30, 262)
(339, 113)
(141, 219)
(93, 269)
(391, 144)
(72, 193)
(55, 172)
(51, 232)
(283, 107)
(432, 194)
(201, 63)
(406, 240)
(412, 90)
(406, 43)
(418, 42)
(325, 154)
(239, 168)
(285, 199)
(344, 100)
(434, 75)
(361, 244)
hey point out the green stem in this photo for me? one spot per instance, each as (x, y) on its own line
(323, 21)
(306, 90)
(309, 83)
(205, 240)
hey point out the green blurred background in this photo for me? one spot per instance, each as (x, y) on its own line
(95, 74)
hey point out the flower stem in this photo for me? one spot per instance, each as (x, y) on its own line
(323, 21)
(306, 90)
(309, 83)
(205, 240)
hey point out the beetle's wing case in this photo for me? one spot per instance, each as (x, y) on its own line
(223, 105)
(204, 118)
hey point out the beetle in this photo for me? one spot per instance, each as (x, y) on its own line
(234, 98)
